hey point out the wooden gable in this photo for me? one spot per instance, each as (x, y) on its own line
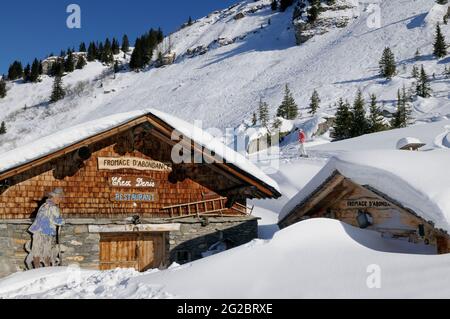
(147, 184)
(342, 199)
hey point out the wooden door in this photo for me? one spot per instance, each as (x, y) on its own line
(141, 251)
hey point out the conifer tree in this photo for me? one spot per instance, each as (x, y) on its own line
(402, 115)
(58, 92)
(276, 124)
(41, 68)
(82, 47)
(99, 55)
(137, 58)
(288, 108)
(115, 47)
(2, 128)
(81, 63)
(254, 119)
(27, 73)
(274, 5)
(190, 22)
(92, 52)
(284, 4)
(263, 111)
(314, 11)
(2, 88)
(423, 88)
(376, 117)
(35, 71)
(343, 121)
(125, 44)
(360, 125)
(440, 47)
(415, 72)
(57, 68)
(107, 53)
(69, 63)
(15, 71)
(387, 64)
(315, 103)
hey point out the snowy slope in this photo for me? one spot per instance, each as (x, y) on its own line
(223, 86)
(292, 265)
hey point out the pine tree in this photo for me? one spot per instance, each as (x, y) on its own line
(190, 22)
(57, 68)
(116, 67)
(315, 103)
(387, 64)
(115, 47)
(137, 58)
(276, 124)
(58, 92)
(41, 68)
(360, 125)
(284, 4)
(15, 71)
(82, 47)
(2, 128)
(423, 88)
(288, 108)
(417, 55)
(35, 71)
(107, 54)
(402, 115)
(2, 88)
(274, 5)
(92, 52)
(81, 63)
(314, 11)
(27, 73)
(69, 63)
(376, 117)
(415, 72)
(254, 119)
(263, 111)
(343, 121)
(99, 55)
(125, 44)
(440, 46)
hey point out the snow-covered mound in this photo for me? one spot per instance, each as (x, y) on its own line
(417, 180)
(295, 264)
(245, 58)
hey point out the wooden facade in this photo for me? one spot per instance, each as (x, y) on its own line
(362, 206)
(126, 175)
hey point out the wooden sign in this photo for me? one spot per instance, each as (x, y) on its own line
(131, 182)
(133, 197)
(140, 164)
(367, 203)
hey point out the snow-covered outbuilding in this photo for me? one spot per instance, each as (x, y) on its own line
(403, 195)
(134, 196)
(410, 144)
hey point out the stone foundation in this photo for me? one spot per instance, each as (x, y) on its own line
(82, 247)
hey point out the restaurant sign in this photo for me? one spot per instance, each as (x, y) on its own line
(133, 197)
(140, 164)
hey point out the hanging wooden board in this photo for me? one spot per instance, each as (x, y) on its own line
(116, 163)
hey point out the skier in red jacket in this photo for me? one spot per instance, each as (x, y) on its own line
(302, 141)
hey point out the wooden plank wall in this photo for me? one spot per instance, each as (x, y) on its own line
(88, 193)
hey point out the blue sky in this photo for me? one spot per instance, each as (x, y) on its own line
(35, 28)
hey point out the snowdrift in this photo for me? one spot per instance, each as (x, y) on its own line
(314, 259)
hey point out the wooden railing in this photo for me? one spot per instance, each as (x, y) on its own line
(216, 206)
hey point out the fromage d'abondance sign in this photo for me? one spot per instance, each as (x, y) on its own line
(116, 163)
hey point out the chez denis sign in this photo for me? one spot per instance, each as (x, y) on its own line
(132, 182)
(116, 163)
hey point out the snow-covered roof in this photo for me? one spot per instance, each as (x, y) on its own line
(65, 138)
(419, 181)
(409, 141)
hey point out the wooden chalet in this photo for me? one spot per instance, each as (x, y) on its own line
(340, 197)
(126, 203)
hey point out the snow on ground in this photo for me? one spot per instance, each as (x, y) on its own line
(313, 259)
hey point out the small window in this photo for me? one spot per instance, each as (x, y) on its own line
(183, 256)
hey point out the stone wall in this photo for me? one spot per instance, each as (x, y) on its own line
(82, 248)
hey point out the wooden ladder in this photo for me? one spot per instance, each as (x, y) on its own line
(216, 206)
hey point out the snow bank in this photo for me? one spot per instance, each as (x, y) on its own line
(65, 138)
(419, 181)
(295, 264)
